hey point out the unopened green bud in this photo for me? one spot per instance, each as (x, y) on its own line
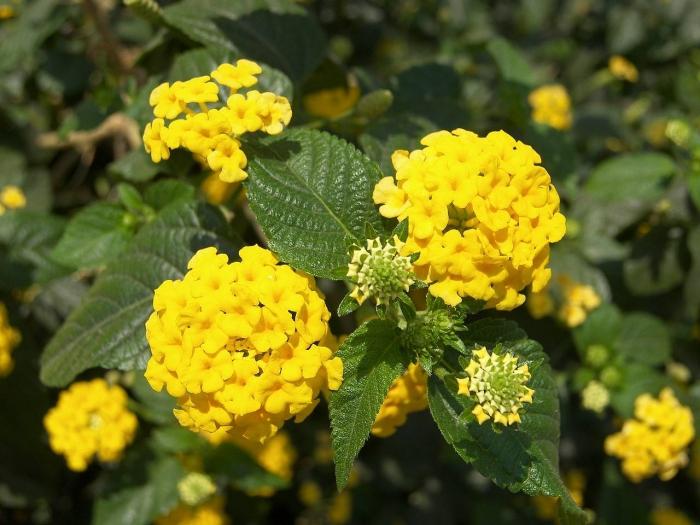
(597, 356)
(379, 271)
(611, 376)
(573, 228)
(373, 105)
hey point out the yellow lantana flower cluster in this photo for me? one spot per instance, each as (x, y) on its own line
(623, 69)
(497, 382)
(209, 513)
(90, 420)
(654, 442)
(481, 215)
(576, 300)
(212, 134)
(11, 198)
(407, 394)
(551, 106)
(239, 344)
(668, 516)
(10, 337)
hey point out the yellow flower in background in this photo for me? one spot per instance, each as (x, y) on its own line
(91, 420)
(6, 12)
(546, 507)
(310, 493)
(540, 304)
(579, 301)
(209, 513)
(654, 442)
(497, 383)
(551, 105)
(669, 516)
(622, 69)
(340, 509)
(215, 190)
(595, 397)
(10, 337)
(332, 102)
(211, 133)
(407, 394)
(11, 198)
(481, 215)
(239, 344)
(195, 488)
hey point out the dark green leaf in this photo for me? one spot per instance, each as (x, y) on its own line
(107, 329)
(347, 306)
(372, 360)
(631, 176)
(135, 166)
(165, 192)
(512, 65)
(310, 191)
(643, 338)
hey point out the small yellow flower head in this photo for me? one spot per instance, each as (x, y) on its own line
(668, 516)
(551, 105)
(407, 394)
(623, 69)
(209, 513)
(10, 337)
(195, 488)
(679, 132)
(90, 420)
(215, 190)
(379, 271)
(546, 507)
(678, 372)
(310, 493)
(212, 133)
(540, 304)
(239, 344)
(595, 397)
(654, 442)
(498, 385)
(481, 215)
(333, 102)
(340, 509)
(6, 12)
(579, 300)
(12, 198)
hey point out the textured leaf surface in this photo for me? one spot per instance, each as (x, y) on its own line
(310, 192)
(522, 458)
(644, 338)
(107, 329)
(93, 237)
(630, 176)
(372, 360)
(276, 32)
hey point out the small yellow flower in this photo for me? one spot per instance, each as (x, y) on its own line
(579, 301)
(195, 488)
(551, 105)
(90, 420)
(12, 197)
(212, 133)
(333, 102)
(6, 12)
(310, 493)
(481, 215)
(540, 304)
(209, 513)
(215, 190)
(654, 442)
(623, 69)
(10, 337)
(340, 509)
(546, 506)
(669, 516)
(497, 382)
(239, 344)
(407, 394)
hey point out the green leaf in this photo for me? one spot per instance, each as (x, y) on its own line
(521, 458)
(135, 166)
(691, 289)
(176, 440)
(93, 237)
(372, 360)
(601, 327)
(347, 305)
(140, 505)
(631, 176)
(310, 192)
(512, 65)
(240, 468)
(638, 379)
(156, 407)
(654, 266)
(165, 192)
(107, 329)
(644, 338)
(276, 32)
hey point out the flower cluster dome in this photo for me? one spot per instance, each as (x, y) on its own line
(481, 215)
(184, 118)
(241, 345)
(90, 420)
(654, 442)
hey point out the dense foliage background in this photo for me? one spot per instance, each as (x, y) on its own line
(76, 77)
